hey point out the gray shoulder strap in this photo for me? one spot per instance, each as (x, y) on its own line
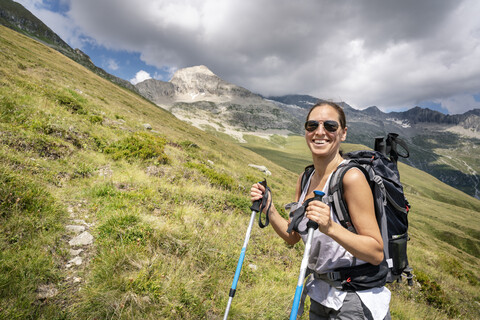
(305, 189)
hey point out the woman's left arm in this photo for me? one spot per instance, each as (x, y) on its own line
(367, 243)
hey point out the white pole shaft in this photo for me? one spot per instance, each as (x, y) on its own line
(301, 277)
(239, 265)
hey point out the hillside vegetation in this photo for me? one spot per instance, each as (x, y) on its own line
(167, 206)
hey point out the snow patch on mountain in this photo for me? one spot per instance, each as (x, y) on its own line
(401, 122)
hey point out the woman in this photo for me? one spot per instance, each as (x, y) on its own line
(333, 246)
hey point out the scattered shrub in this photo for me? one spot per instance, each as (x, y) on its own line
(96, 119)
(50, 149)
(140, 145)
(72, 101)
(83, 171)
(251, 179)
(99, 142)
(434, 294)
(20, 196)
(241, 203)
(104, 190)
(219, 179)
(452, 266)
(126, 228)
(471, 246)
(12, 112)
(43, 145)
(189, 145)
(21, 66)
(71, 135)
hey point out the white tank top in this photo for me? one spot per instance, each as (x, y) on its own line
(325, 254)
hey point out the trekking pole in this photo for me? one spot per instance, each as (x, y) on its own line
(311, 225)
(255, 208)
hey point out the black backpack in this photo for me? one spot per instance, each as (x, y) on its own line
(391, 206)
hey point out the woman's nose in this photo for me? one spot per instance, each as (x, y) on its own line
(320, 129)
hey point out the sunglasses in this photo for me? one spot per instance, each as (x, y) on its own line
(329, 125)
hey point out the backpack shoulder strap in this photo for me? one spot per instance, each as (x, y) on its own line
(335, 193)
(306, 174)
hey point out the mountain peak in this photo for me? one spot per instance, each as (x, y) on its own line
(195, 83)
(199, 83)
(373, 110)
(190, 71)
(197, 79)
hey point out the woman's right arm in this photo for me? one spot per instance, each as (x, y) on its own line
(279, 224)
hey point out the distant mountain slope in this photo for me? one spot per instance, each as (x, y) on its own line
(14, 16)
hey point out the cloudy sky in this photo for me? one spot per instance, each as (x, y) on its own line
(388, 53)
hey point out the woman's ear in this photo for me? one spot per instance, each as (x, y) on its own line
(344, 134)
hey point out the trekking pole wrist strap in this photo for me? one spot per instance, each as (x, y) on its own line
(260, 204)
(268, 193)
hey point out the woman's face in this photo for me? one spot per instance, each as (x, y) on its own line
(321, 141)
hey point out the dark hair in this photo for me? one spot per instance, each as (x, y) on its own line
(341, 113)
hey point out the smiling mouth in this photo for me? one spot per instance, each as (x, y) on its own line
(320, 141)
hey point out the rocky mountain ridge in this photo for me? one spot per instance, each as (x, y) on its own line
(194, 84)
(203, 99)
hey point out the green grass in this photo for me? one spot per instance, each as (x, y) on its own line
(168, 209)
(31, 225)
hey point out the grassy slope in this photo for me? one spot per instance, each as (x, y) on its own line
(168, 225)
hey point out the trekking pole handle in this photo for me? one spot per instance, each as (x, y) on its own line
(257, 203)
(318, 195)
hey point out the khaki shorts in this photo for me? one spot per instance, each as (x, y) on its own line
(352, 309)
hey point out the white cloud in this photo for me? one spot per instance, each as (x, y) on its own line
(459, 103)
(140, 76)
(166, 74)
(112, 64)
(388, 53)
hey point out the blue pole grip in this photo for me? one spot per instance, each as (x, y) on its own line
(318, 195)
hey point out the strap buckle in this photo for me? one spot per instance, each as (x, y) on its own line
(334, 276)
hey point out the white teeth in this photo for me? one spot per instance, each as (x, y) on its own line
(317, 141)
